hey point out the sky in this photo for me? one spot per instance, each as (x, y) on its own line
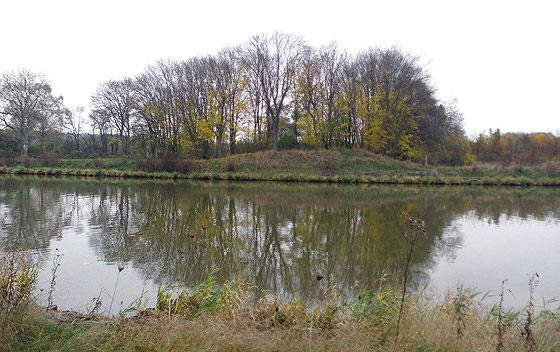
(499, 59)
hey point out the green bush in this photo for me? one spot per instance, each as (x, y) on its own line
(76, 154)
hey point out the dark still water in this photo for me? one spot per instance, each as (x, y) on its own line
(278, 237)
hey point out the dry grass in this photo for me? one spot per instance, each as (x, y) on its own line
(210, 317)
(426, 330)
(17, 280)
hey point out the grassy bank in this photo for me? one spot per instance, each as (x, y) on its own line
(336, 166)
(211, 317)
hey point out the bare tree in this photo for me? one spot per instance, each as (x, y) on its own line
(50, 119)
(318, 90)
(218, 99)
(101, 122)
(253, 95)
(194, 98)
(190, 96)
(332, 61)
(274, 60)
(349, 102)
(226, 98)
(74, 123)
(115, 97)
(26, 100)
(308, 96)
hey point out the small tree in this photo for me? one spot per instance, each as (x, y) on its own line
(73, 124)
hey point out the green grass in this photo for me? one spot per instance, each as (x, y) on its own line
(344, 162)
(335, 166)
(105, 163)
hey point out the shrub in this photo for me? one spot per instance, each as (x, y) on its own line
(76, 154)
(39, 148)
(98, 164)
(230, 167)
(25, 161)
(166, 162)
(7, 159)
(184, 166)
(145, 164)
(204, 297)
(49, 159)
(17, 279)
(287, 141)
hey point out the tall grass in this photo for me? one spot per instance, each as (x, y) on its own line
(57, 257)
(416, 228)
(226, 317)
(17, 280)
(501, 326)
(527, 332)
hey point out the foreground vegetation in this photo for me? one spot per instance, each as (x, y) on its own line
(335, 165)
(216, 317)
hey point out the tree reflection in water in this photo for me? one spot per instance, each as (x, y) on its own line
(277, 236)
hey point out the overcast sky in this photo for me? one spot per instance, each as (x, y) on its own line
(499, 59)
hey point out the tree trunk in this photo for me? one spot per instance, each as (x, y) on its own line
(275, 133)
(220, 145)
(25, 144)
(231, 141)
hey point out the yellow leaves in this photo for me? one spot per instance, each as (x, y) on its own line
(375, 135)
(309, 139)
(390, 126)
(205, 130)
(240, 107)
(313, 129)
(457, 151)
(469, 158)
(501, 144)
(540, 140)
(187, 146)
(115, 140)
(406, 147)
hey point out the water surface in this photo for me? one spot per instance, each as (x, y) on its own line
(277, 236)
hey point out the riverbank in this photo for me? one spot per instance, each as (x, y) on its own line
(208, 317)
(157, 331)
(225, 317)
(333, 166)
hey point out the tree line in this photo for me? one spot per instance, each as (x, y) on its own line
(516, 148)
(271, 92)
